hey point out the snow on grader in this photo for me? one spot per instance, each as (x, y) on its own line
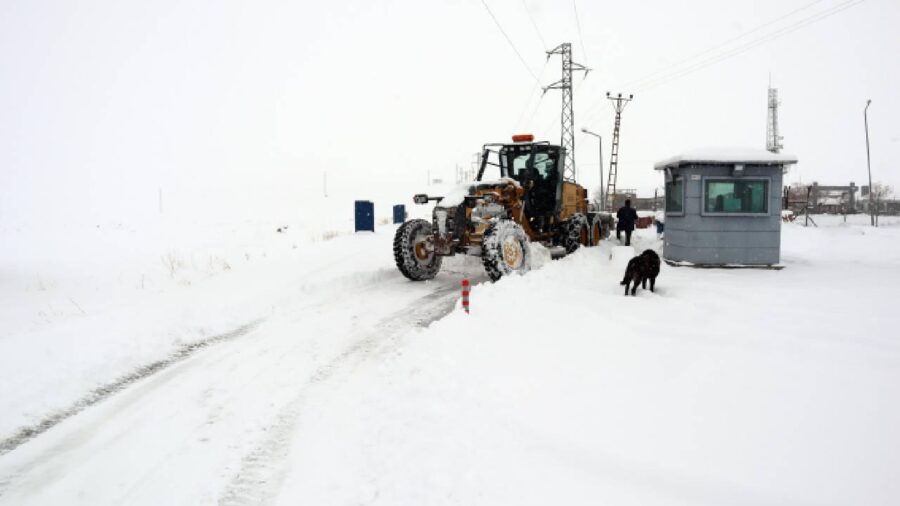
(497, 218)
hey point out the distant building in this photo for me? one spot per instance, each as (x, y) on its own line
(833, 199)
(620, 196)
(882, 206)
(639, 203)
(649, 203)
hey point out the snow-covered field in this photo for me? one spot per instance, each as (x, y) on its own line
(348, 385)
(82, 304)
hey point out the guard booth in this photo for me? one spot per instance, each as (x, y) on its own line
(723, 207)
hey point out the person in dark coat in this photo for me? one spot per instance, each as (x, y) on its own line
(627, 217)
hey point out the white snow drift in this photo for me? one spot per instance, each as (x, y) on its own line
(723, 387)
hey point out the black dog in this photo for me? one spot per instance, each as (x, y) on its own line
(641, 268)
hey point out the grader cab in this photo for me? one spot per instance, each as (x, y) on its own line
(518, 196)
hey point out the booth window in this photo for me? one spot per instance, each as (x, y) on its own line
(675, 196)
(736, 196)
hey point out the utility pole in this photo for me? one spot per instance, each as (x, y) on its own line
(773, 140)
(567, 118)
(619, 102)
(869, 161)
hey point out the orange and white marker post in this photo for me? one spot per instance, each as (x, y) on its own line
(465, 295)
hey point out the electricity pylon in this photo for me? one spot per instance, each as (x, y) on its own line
(619, 103)
(567, 118)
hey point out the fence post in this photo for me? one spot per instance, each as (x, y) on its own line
(465, 295)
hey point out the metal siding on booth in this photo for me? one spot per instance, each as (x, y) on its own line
(732, 239)
(727, 223)
(729, 239)
(722, 256)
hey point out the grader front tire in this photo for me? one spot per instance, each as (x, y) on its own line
(505, 250)
(411, 254)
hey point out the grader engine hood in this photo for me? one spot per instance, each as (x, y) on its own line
(460, 217)
(457, 196)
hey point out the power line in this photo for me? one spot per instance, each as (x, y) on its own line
(663, 76)
(530, 97)
(750, 45)
(663, 79)
(534, 24)
(720, 45)
(580, 38)
(513, 46)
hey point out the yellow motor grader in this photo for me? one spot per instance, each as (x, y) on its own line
(526, 200)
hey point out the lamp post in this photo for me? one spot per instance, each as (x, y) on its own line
(869, 161)
(600, 144)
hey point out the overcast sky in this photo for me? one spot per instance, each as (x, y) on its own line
(235, 109)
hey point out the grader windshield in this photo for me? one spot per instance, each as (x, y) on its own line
(523, 162)
(535, 165)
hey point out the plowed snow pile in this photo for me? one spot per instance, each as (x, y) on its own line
(724, 387)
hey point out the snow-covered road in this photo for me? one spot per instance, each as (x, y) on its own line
(214, 426)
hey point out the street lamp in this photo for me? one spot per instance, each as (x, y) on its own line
(869, 161)
(600, 144)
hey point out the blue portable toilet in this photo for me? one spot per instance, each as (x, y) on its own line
(399, 213)
(365, 215)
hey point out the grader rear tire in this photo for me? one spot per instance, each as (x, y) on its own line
(575, 233)
(596, 232)
(410, 253)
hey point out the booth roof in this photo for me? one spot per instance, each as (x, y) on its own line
(727, 156)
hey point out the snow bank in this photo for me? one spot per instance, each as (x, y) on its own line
(83, 305)
(620, 255)
(539, 255)
(724, 387)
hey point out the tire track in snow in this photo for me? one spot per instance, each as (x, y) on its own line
(262, 470)
(25, 434)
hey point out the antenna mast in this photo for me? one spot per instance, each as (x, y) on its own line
(773, 140)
